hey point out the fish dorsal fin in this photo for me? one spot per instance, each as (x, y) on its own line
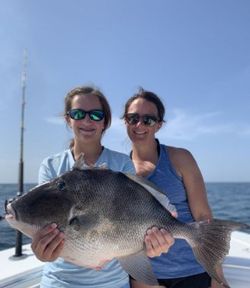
(103, 166)
(80, 164)
(154, 190)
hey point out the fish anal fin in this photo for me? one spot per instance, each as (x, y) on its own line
(138, 266)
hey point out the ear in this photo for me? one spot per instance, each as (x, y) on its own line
(67, 119)
(125, 122)
(158, 126)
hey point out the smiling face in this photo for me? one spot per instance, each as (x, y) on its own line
(86, 130)
(139, 132)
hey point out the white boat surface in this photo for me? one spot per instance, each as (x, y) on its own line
(21, 272)
(26, 272)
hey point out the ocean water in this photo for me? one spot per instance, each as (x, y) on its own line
(7, 234)
(230, 201)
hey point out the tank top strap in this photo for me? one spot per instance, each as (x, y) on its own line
(164, 163)
(163, 155)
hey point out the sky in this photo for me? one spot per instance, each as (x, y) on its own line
(195, 55)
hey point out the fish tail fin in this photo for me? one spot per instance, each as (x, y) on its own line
(211, 243)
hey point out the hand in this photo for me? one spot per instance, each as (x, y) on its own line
(158, 241)
(47, 243)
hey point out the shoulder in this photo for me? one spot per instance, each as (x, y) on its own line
(119, 161)
(54, 165)
(176, 152)
(181, 158)
(116, 154)
(55, 159)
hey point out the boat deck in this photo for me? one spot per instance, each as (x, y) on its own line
(26, 271)
(237, 264)
(21, 272)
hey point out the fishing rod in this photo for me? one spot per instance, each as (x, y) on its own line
(19, 235)
(18, 247)
(19, 238)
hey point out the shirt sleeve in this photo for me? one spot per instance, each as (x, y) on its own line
(46, 172)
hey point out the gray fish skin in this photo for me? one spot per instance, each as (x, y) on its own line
(105, 215)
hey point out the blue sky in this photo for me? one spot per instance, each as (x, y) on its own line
(194, 54)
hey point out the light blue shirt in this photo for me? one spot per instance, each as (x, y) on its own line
(64, 274)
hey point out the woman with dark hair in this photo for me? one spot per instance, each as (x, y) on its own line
(175, 172)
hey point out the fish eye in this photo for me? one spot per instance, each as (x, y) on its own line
(60, 185)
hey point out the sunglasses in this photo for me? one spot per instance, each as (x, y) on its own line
(79, 114)
(147, 120)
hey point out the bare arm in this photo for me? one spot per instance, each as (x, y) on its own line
(188, 169)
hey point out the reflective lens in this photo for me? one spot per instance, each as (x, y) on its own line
(79, 114)
(147, 120)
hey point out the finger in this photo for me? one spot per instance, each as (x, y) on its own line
(58, 249)
(162, 236)
(53, 249)
(43, 237)
(49, 247)
(161, 240)
(152, 244)
(44, 231)
(169, 239)
(149, 248)
(155, 236)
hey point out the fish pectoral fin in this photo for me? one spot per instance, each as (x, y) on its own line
(139, 267)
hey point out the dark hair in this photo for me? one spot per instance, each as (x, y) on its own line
(91, 91)
(149, 96)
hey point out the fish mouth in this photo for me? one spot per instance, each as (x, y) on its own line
(10, 213)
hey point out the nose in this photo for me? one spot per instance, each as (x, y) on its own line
(139, 123)
(87, 118)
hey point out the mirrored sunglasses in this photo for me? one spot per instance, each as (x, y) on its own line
(79, 114)
(147, 120)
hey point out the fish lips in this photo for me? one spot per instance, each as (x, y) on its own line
(10, 212)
